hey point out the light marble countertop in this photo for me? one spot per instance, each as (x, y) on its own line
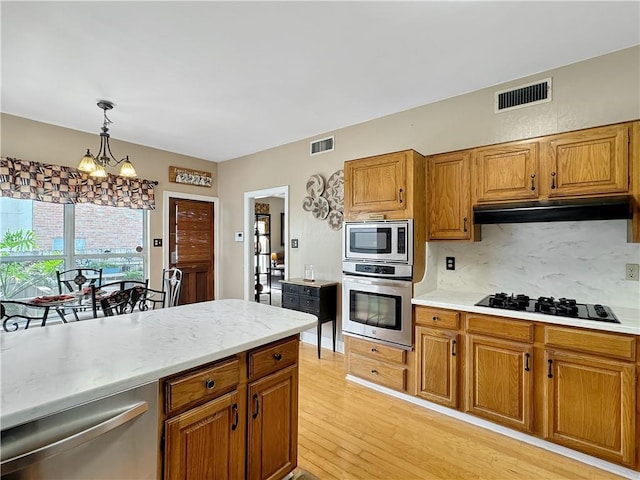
(45, 370)
(458, 300)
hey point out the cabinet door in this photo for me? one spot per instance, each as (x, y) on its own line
(206, 442)
(376, 184)
(273, 425)
(437, 354)
(591, 405)
(449, 197)
(587, 163)
(506, 172)
(499, 383)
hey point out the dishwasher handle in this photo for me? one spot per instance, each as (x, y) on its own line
(23, 460)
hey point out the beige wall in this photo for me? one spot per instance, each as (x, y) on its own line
(41, 142)
(595, 92)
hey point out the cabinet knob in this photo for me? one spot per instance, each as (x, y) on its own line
(277, 356)
(374, 371)
(374, 350)
(209, 384)
(435, 318)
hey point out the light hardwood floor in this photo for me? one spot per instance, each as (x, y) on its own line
(347, 431)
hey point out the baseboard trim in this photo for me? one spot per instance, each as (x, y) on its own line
(523, 437)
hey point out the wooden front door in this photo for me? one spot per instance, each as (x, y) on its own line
(191, 236)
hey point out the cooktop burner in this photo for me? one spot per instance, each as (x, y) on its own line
(563, 307)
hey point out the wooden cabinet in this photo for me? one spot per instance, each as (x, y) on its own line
(581, 163)
(507, 172)
(390, 185)
(272, 433)
(376, 363)
(591, 393)
(499, 370)
(589, 162)
(449, 201)
(438, 351)
(235, 418)
(207, 439)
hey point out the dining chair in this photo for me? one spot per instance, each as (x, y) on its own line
(112, 293)
(74, 280)
(171, 284)
(14, 314)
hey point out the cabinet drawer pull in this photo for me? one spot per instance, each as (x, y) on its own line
(234, 408)
(526, 362)
(453, 348)
(209, 384)
(257, 406)
(435, 318)
(400, 196)
(553, 180)
(374, 371)
(277, 356)
(533, 184)
(464, 224)
(374, 349)
(550, 372)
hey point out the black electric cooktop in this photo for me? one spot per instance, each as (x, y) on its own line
(563, 307)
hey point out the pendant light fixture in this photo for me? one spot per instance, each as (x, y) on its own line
(95, 165)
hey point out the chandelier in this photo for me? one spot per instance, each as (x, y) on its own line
(95, 165)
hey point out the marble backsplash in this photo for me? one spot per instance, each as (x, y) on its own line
(581, 260)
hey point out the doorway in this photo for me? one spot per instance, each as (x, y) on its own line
(191, 223)
(250, 199)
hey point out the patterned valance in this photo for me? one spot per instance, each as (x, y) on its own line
(59, 184)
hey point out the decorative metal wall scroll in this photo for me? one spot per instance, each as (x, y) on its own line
(190, 177)
(326, 199)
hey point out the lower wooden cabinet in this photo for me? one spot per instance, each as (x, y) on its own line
(437, 365)
(206, 442)
(273, 425)
(499, 381)
(233, 419)
(376, 363)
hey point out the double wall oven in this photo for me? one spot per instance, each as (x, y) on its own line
(377, 286)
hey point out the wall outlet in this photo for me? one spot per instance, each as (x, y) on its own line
(157, 242)
(451, 263)
(238, 236)
(631, 271)
(294, 243)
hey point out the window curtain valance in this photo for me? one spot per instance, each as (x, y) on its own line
(23, 179)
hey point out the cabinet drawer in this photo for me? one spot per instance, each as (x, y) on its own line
(309, 304)
(309, 291)
(290, 301)
(271, 358)
(519, 330)
(377, 351)
(436, 317)
(201, 385)
(290, 288)
(600, 343)
(392, 376)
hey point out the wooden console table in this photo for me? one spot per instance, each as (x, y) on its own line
(318, 298)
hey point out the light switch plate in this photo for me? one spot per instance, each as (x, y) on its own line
(294, 243)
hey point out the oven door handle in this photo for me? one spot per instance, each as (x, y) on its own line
(377, 281)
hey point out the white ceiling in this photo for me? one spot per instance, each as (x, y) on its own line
(218, 80)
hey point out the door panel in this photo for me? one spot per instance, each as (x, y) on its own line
(191, 247)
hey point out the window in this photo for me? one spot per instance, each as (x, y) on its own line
(34, 237)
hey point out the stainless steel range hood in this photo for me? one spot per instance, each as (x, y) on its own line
(601, 208)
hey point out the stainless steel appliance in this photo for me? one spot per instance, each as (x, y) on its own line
(379, 241)
(113, 437)
(564, 307)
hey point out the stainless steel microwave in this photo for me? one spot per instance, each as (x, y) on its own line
(379, 241)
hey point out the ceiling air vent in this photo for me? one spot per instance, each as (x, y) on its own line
(323, 145)
(524, 95)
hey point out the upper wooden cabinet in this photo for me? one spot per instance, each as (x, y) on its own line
(507, 172)
(390, 185)
(582, 163)
(449, 185)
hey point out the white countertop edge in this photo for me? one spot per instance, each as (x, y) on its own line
(464, 301)
(61, 399)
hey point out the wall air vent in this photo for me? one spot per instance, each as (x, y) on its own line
(321, 146)
(523, 96)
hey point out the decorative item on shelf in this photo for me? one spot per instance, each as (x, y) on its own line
(95, 165)
(326, 199)
(274, 259)
(190, 177)
(261, 207)
(309, 275)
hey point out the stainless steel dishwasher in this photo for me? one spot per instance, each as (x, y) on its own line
(115, 437)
